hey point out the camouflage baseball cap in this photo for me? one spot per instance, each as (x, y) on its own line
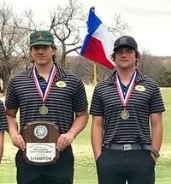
(41, 38)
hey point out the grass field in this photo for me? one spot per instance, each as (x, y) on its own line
(85, 171)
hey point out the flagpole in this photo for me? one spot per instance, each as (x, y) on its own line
(95, 74)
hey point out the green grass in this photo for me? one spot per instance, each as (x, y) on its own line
(85, 170)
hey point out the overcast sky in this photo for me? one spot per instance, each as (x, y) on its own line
(149, 20)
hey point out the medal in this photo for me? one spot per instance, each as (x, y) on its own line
(43, 110)
(124, 114)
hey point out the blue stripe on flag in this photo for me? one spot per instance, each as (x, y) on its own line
(92, 24)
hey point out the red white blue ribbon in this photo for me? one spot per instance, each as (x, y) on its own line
(119, 88)
(50, 81)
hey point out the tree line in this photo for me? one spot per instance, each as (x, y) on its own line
(156, 67)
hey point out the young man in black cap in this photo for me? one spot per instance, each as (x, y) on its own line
(45, 93)
(124, 147)
(3, 127)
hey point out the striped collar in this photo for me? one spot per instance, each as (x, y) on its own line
(59, 75)
(139, 77)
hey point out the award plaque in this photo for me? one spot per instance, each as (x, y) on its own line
(40, 138)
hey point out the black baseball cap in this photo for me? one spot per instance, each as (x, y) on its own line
(127, 41)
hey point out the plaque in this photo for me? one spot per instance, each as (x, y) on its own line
(40, 138)
(124, 114)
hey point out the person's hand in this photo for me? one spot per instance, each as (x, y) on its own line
(18, 141)
(154, 158)
(97, 155)
(64, 140)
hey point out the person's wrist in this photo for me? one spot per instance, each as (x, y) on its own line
(73, 133)
(14, 136)
(155, 153)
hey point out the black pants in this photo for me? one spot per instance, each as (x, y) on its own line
(60, 172)
(117, 167)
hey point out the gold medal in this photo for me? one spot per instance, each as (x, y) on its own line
(61, 84)
(140, 88)
(124, 114)
(43, 110)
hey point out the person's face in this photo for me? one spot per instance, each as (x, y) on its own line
(125, 57)
(42, 54)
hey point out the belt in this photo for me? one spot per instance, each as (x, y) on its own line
(127, 147)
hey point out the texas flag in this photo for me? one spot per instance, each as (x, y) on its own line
(98, 45)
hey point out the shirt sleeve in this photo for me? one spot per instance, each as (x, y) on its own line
(80, 99)
(3, 119)
(96, 108)
(156, 104)
(11, 100)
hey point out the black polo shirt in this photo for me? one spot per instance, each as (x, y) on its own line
(3, 120)
(106, 102)
(62, 102)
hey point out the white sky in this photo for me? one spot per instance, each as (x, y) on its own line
(149, 20)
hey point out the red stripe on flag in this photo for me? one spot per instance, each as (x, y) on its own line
(91, 53)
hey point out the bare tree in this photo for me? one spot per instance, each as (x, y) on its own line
(7, 37)
(10, 39)
(65, 24)
(119, 26)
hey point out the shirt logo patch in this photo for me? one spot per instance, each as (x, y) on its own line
(140, 88)
(61, 84)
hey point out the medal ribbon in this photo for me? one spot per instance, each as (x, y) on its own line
(50, 81)
(119, 88)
